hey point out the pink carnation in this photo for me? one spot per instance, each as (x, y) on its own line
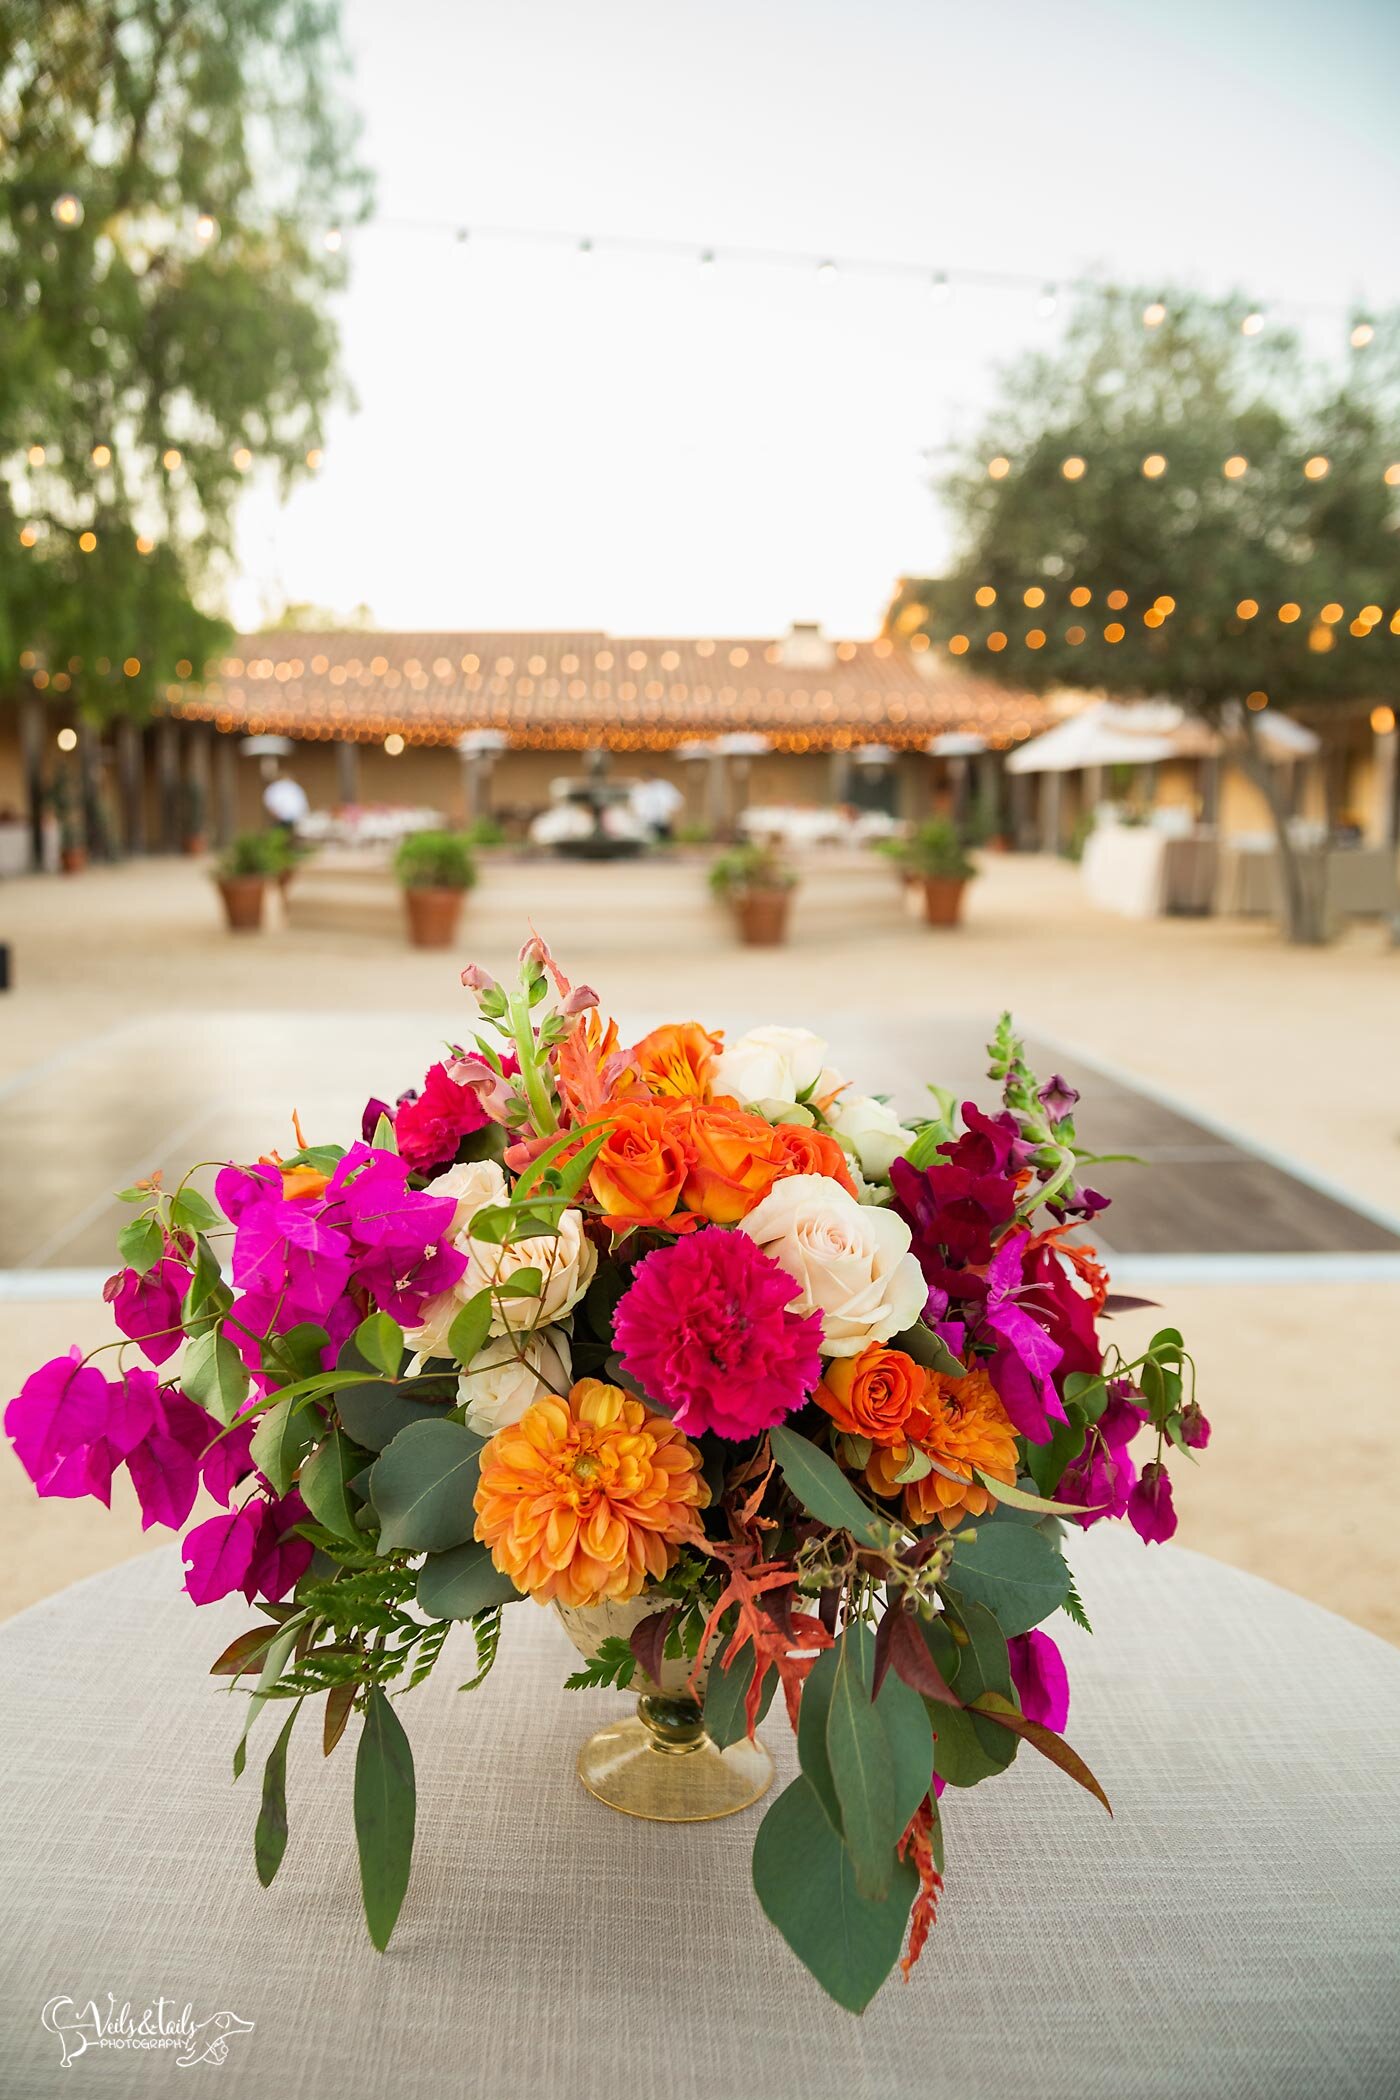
(428, 1129)
(705, 1330)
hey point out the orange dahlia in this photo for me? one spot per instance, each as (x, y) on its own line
(588, 1497)
(960, 1424)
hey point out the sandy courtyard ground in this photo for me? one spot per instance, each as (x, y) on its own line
(1293, 1050)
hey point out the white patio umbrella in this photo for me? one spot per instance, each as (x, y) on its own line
(1097, 736)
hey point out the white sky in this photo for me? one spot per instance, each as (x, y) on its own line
(645, 446)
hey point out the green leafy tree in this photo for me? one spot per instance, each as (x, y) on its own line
(173, 179)
(1241, 503)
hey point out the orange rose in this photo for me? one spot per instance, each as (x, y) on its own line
(735, 1158)
(679, 1059)
(812, 1152)
(961, 1424)
(641, 1165)
(874, 1394)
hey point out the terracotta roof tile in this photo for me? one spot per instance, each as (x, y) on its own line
(567, 691)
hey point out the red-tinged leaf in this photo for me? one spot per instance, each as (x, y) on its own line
(247, 1652)
(1042, 1739)
(828, 1605)
(909, 1654)
(340, 1701)
(1119, 1301)
(647, 1641)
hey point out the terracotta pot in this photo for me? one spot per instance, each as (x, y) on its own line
(433, 916)
(243, 902)
(762, 917)
(195, 844)
(72, 859)
(943, 895)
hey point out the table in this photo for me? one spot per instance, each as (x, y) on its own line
(1235, 1933)
(1361, 880)
(1140, 872)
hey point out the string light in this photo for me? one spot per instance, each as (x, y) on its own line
(1035, 638)
(1247, 608)
(1251, 324)
(206, 227)
(1165, 605)
(996, 641)
(1392, 476)
(333, 240)
(1116, 600)
(68, 210)
(1317, 467)
(1081, 595)
(1383, 720)
(37, 455)
(393, 744)
(1256, 700)
(1154, 313)
(28, 534)
(242, 458)
(1074, 636)
(1235, 466)
(1331, 613)
(132, 667)
(1361, 335)
(1289, 613)
(170, 459)
(1114, 632)
(1034, 596)
(1155, 465)
(999, 467)
(985, 595)
(1072, 468)
(144, 545)
(313, 458)
(87, 541)
(67, 740)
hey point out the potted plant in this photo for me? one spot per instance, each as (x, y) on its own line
(436, 870)
(937, 857)
(242, 874)
(191, 813)
(757, 885)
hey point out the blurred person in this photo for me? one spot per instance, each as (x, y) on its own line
(285, 801)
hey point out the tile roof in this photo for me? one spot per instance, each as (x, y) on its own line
(570, 691)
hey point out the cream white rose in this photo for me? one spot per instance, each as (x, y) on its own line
(566, 1262)
(851, 1260)
(509, 1375)
(873, 1129)
(774, 1064)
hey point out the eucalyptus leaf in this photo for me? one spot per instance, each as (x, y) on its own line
(385, 1806)
(461, 1582)
(270, 1835)
(804, 1878)
(422, 1487)
(862, 1764)
(930, 1350)
(821, 1487)
(373, 1414)
(1014, 1570)
(726, 1720)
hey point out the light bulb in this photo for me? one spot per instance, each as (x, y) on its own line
(1154, 314)
(205, 226)
(67, 210)
(1251, 324)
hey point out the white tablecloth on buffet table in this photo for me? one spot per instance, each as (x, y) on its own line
(1235, 1932)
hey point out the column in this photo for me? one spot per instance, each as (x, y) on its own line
(839, 777)
(347, 771)
(1049, 812)
(31, 743)
(168, 785)
(225, 788)
(196, 810)
(132, 785)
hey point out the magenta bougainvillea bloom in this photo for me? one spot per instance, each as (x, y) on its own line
(705, 1330)
(1151, 1511)
(1041, 1680)
(252, 1549)
(57, 1423)
(147, 1308)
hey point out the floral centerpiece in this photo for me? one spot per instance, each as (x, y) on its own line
(760, 1387)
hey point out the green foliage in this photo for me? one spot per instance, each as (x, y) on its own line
(127, 333)
(270, 1835)
(1011, 1568)
(612, 1663)
(486, 1632)
(435, 860)
(422, 1487)
(213, 1373)
(804, 1878)
(463, 1582)
(726, 1720)
(936, 849)
(822, 1488)
(258, 853)
(749, 867)
(1199, 392)
(385, 1804)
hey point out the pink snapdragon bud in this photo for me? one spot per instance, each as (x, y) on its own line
(581, 1000)
(491, 1089)
(478, 980)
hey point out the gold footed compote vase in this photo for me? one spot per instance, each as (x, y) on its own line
(659, 1763)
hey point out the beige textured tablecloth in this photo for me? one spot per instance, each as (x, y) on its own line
(1235, 1932)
